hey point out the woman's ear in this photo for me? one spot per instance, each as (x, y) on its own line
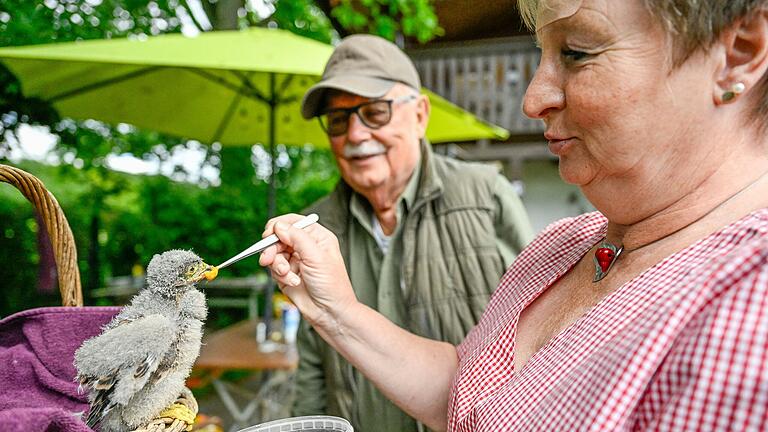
(745, 56)
(422, 114)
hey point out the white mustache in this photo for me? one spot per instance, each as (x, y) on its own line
(364, 149)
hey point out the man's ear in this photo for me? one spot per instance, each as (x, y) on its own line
(422, 114)
(744, 55)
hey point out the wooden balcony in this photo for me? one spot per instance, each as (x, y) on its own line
(487, 78)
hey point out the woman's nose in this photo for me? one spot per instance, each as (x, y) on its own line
(545, 93)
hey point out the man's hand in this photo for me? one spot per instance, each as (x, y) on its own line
(309, 269)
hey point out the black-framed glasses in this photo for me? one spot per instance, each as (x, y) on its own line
(374, 114)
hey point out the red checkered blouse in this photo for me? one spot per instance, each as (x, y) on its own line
(681, 347)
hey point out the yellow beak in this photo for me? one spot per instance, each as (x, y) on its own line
(211, 273)
(201, 272)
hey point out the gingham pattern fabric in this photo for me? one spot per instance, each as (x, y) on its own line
(681, 347)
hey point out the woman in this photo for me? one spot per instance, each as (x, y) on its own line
(649, 314)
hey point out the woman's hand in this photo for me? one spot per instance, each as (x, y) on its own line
(309, 269)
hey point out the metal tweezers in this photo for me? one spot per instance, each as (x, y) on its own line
(267, 242)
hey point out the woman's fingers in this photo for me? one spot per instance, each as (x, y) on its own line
(294, 267)
(308, 266)
(289, 280)
(290, 218)
(279, 263)
(303, 241)
(268, 255)
(287, 264)
(281, 266)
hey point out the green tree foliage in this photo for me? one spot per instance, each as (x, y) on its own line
(36, 22)
(388, 18)
(119, 220)
(83, 145)
(302, 17)
(147, 215)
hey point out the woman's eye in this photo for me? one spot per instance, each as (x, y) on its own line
(573, 55)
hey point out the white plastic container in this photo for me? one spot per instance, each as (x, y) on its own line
(320, 423)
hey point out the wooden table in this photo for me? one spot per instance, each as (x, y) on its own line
(235, 347)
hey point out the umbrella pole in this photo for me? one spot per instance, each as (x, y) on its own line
(272, 151)
(271, 197)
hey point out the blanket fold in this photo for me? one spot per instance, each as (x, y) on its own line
(38, 392)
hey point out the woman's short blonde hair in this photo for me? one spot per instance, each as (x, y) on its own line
(691, 25)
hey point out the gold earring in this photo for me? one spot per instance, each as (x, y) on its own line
(736, 89)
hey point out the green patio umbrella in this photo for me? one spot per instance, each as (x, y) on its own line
(216, 87)
(231, 87)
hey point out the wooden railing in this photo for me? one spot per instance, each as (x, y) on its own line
(487, 78)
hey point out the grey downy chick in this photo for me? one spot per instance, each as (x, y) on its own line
(139, 363)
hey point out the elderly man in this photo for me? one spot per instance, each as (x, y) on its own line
(425, 238)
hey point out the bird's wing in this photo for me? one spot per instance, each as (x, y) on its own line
(118, 363)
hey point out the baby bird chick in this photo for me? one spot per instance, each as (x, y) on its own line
(138, 365)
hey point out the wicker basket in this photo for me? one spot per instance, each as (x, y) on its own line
(58, 230)
(65, 256)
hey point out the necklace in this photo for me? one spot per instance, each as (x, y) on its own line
(605, 256)
(608, 253)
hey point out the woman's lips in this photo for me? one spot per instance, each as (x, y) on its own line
(558, 147)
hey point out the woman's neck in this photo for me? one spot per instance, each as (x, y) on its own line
(722, 198)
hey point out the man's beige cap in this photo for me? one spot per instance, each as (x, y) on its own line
(364, 65)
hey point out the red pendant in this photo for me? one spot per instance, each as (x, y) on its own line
(604, 257)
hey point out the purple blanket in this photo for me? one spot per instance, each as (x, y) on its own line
(38, 392)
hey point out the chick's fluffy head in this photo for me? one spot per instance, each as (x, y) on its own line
(169, 272)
